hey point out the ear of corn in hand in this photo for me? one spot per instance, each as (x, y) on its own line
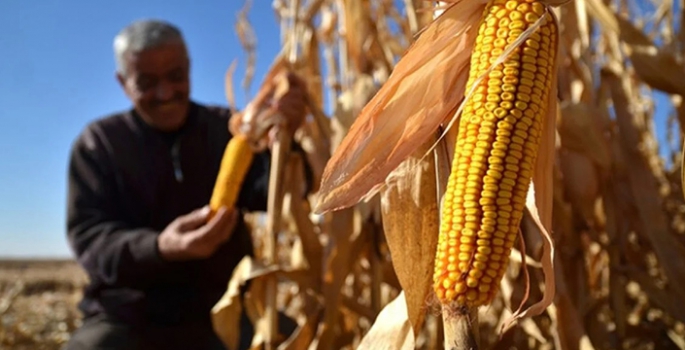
(497, 144)
(235, 163)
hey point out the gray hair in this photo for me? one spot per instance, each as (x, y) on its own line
(142, 35)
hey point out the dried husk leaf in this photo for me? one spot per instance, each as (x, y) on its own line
(410, 221)
(555, 3)
(544, 165)
(424, 87)
(392, 329)
(547, 261)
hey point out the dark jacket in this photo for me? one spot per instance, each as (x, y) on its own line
(127, 182)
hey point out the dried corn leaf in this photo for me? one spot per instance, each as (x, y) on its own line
(581, 182)
(357, 32)
(226, 312)
(248, 41)
(228, 85)
(669, 250)
(311, 72)
(339, 258)
(654, 66)
(298, 210)
(410, 222)
(313, 8)
(306, 332)
(329, 20)
(667, 299)
(682, 169)
(570, 326)
(579, 131)
(349, 104)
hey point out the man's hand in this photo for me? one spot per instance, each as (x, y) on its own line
(292, 104)
(191, 236)
(290, 101)
(280, 105)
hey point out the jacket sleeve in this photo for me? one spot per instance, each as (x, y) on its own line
(109, 249)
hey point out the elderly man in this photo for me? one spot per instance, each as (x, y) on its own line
(139, 183)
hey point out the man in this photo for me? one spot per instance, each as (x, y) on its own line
(139, 183)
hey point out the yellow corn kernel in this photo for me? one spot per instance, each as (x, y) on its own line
(235, 163)
(499, 133)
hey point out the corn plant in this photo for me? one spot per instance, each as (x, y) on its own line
(488, 175)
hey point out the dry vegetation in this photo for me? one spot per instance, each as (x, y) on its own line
(361, 277)
(38, 303)
(617, 201)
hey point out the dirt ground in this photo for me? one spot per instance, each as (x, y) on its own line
(38, 303)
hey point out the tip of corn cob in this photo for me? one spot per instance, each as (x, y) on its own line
(235, 163)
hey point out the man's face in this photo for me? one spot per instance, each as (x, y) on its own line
(157, 82)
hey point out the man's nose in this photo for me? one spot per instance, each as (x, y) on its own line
(164, 91)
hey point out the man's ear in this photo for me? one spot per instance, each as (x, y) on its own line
(121, 80)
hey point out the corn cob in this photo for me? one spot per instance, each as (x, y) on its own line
(498, 138)
(235, 163)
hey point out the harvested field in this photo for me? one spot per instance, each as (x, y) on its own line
(38, 303)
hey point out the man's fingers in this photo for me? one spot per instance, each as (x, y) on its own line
(218, 217)
(205, 240)
(193, 220)
(227, 229)
(208, 232)
(273, 132)
(221, 230)
(295, 80)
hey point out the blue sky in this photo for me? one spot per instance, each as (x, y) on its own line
(57, 74)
